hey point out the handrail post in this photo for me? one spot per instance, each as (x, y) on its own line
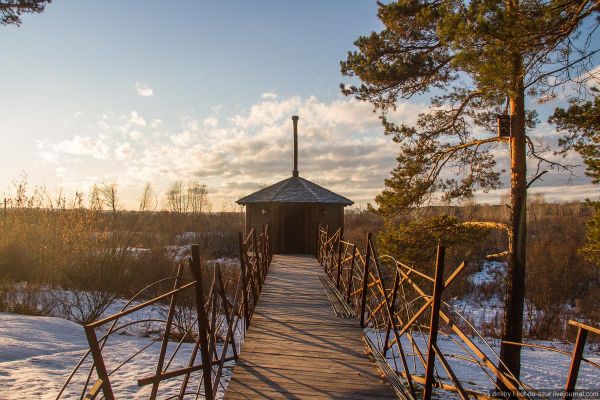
(90, 333)
(331, 255)
(392, 311)
(351, 274)
(363, 302)
(339, 260)
(438, 287)
(319, 243)
(165, 339)
(575, 363)
(244, 281)
(202, 323)
(257, 260)
(325, 248)
(263, 249)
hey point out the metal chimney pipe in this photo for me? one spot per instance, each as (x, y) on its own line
(295, 119)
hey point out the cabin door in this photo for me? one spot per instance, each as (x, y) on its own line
(294, 228)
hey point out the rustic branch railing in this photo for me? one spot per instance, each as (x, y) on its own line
(221, 319)
(404, 323)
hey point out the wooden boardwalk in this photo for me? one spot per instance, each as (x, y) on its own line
(297, 348)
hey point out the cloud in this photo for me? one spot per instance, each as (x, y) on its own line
(271, 95)
(211, 122)
(341, 146)
(124, 151)
(135, 119)
(78, 146)
(143, 89)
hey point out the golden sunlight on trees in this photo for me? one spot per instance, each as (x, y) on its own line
(480, 61)
(580, 125)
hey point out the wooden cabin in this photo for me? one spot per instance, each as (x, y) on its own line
(293, 208)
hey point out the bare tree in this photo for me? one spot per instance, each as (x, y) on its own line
(148, 200)
(197, 200)
(176, 201)
(109, 195)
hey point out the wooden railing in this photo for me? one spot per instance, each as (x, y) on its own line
(402, 313)
(222, 317)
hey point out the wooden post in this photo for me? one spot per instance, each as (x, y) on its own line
(392, 311)
(202, 323)
(325, 247)
(331, 256)
(244, 281)
(365, 283)
(257, 260)
(90, 333)
(351, 274)
(339, 260)
(265, 256)
(165, 339)
(319, 243)
(438, 286)
(390, 316)
(575, 363)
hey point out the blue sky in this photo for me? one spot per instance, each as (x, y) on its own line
(150, 91)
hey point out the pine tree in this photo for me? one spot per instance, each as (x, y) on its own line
(580, 125)
(475, 59)
(11, 10)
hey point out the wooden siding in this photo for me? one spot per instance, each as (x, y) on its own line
(331, 215)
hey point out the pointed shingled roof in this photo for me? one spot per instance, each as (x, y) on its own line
(295, 190)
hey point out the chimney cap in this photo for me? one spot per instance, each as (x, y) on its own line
(295, 117)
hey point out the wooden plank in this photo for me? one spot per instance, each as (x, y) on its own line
(297, 348)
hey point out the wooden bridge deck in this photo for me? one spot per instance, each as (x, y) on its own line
(297, 348)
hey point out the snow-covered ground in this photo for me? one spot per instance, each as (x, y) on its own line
(37, 355)
(541, 369)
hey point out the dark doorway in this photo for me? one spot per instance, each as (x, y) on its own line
(294, 224)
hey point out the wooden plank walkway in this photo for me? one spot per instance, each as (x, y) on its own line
(297, 348)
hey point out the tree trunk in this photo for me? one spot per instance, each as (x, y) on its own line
(515, 282)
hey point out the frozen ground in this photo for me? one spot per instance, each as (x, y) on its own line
(38, 353)
(541, 369)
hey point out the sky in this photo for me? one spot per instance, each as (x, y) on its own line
(147, 91)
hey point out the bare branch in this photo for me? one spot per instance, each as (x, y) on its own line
(535, 178)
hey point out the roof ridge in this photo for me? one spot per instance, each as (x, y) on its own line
(307, 187)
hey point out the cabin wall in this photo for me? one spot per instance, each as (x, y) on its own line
(328, 215)
(256, 219)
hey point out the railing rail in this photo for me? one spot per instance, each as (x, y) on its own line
(402, 321)
(221, 319)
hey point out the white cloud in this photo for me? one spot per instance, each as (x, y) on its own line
(135, 119)
(211, 122)
(82, 146)
(124, 151)
(143, 89)
(271, 95)
(341, 147)
(135, 135)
